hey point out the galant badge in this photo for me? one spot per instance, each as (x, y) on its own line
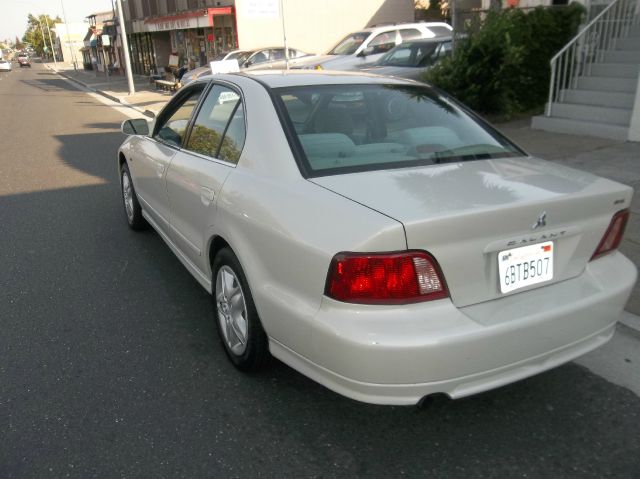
(542, 221)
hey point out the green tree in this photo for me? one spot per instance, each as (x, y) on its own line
(33, 34)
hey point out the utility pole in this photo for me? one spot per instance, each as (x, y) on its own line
(53, 49)
(284, 37)
(73, 54)
(44, 42)
(125, 47)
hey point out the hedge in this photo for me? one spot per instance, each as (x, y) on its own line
(503, 68)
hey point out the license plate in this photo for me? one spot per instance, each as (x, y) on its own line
(520, 267)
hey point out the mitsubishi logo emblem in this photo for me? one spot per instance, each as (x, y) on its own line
(542, 221)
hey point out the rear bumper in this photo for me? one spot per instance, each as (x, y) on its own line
(397, 355)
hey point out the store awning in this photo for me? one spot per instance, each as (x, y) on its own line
(218, 12)
(175, 18)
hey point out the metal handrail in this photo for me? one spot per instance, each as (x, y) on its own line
(578, 56)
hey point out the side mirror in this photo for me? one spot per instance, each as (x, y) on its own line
(137, 126)
(365, 52)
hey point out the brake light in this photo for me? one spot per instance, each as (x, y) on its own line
(613, 236)
(385, 278)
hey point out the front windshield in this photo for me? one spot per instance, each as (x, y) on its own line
(346, 128)
(410, 55)
(349, 44)
(238, 56)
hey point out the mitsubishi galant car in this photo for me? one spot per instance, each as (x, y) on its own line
(376, 235)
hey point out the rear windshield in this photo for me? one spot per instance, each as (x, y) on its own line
(346, 128)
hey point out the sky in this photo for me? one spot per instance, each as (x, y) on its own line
(14, 13)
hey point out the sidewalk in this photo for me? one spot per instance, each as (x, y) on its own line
(147, 100)
(617, 160)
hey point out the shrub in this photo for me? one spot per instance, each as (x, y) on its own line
(503, 68)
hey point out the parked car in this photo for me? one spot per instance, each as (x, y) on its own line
(376, 235)
(271, 54)
(24, 60)
(364, 48)
(411, 59)
(191, 75)
(265, 58)
(5, 65)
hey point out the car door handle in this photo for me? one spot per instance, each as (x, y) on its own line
(206, 195)
(160, 169)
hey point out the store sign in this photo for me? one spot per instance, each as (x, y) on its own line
(179, 24)
(262, 8)
(106, 41)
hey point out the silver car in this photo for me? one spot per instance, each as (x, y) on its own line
(375, 235)
(412, 59)
(365, 47)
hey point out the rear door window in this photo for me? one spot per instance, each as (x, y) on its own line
(219, 129)
(383, 42)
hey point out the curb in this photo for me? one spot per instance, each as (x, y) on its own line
(115, 99)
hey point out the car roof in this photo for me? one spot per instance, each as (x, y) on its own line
(395, 26)
(446, 38)
(292, 78)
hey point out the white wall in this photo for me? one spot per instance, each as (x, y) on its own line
(77, 32)
(314, 26)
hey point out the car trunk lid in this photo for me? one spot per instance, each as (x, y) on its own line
(466, 213)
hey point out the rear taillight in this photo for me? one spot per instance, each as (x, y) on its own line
(385, 278)
(613, 236)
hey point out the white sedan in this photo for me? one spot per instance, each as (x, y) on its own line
(5, 66)
(375, 235)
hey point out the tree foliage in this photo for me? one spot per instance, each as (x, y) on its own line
(503, 68)
(33, 34)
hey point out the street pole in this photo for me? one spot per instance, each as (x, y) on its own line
(284, 36)
(73, 54)
(125, 47)
(454, 18)
(44, 42)
(53, 49)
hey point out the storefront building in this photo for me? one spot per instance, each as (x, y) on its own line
(166, 33)
(172, 33)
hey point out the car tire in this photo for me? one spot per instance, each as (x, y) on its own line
(237, 320)
(132, 209)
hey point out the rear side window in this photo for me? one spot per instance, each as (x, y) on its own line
(441, 31)
(347, 128)
(410, 34)
(219, 128)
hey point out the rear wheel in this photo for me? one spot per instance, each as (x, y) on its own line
(130, 200)
(239, 326)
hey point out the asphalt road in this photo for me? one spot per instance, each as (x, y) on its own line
(110, 366)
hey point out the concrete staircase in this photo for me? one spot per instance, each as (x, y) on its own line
(600, 101)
